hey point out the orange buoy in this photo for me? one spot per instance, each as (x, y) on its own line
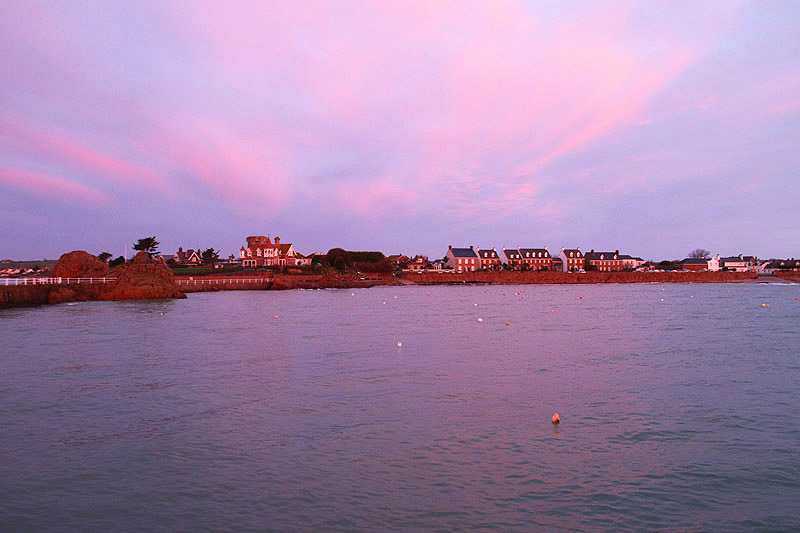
(507, 323)
(556, 418)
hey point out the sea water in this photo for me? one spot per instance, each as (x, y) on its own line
(297, 410)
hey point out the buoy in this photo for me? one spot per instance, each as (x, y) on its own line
(556, 419)
(507, 323)
(555, 310)
(480, 320)
(275, 317)
(384, 303)
(476, 305)
(162, 314)
(399, 344)
(412, 292)
(427, 294)
(352, 294)
(580, 297)
(662, 299)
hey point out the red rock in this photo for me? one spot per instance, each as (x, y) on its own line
(80, 264)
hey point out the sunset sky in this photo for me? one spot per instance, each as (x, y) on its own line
(649, 127)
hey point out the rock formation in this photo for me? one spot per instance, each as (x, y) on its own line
(80, 264)
(144, 278)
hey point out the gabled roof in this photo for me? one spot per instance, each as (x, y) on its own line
(512, 253)
(487, 254)
(605, 256)
(284, 248)
(734, 259)
(695, 261)
(630, 258)
(534, 252)
(575, 251)
(463, 252)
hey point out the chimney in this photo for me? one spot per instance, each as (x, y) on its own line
(470, 247)
(277, 241)
(449, 246)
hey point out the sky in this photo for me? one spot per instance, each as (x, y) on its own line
(653, 128)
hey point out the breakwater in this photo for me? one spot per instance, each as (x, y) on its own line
(513, 278)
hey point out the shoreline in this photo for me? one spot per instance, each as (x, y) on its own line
(33, 295)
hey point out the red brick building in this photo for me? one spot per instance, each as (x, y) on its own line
(605, 261)
(572, 259)
(536, 259)
(489, 259)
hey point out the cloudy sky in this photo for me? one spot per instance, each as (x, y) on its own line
(649, 127)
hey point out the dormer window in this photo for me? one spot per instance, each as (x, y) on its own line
(570, 254)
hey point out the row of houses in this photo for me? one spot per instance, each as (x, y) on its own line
(741, 263)
(538, 259)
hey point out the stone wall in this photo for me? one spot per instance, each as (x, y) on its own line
(507, 277)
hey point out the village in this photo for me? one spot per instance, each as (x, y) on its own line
(264, 252)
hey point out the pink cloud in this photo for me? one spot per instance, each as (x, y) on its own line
(61, 151)
(373, 198)
(51, 186)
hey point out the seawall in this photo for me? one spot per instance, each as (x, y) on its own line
(511, 277)
(26, 295)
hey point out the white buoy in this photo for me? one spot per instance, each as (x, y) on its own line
(399, 344)
(480, 320)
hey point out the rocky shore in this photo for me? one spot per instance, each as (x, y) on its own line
(143, 278)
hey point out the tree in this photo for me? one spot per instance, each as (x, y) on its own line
(149, 245)
(210, 256)
(699, 253)
(116, 262)
(104, 256)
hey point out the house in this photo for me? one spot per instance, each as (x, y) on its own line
(630, 262)
(558, 264)
(572, 259)
(462, 259)
(735, 263)
(785, 265)
(302, 260)
(695, 264)
(512, 258)
(419, 264)
(399, 261)
(604, 261)
(260, 252)
(713, 264)
(535, 259)
(489, 259)
(189, 257)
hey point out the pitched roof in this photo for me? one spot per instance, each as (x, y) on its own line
(463, 252)
(487, 254)
(695, 261)
(534, 252)
(512, 253)
(605, 256)
(576, 251)
(630, 257)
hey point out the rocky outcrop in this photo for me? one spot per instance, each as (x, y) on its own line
(143, 278)
(80, 264)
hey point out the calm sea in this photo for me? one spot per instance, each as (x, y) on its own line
(297, 410)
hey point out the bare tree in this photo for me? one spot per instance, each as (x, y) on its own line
(700, 253)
